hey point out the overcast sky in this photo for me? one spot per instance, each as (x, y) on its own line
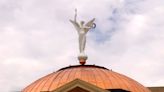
(36, 39)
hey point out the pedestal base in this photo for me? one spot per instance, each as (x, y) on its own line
(82, 58)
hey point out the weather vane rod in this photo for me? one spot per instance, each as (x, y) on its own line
(82, 29)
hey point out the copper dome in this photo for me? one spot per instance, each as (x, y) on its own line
(96, 75)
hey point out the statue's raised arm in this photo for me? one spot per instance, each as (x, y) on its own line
(74, 22)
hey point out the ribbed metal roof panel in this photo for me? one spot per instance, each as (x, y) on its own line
(96, 75)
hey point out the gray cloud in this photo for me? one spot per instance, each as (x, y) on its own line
(36, 38)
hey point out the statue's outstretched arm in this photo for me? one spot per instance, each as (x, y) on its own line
(90, 23)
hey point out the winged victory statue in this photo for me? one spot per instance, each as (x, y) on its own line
(82, 29)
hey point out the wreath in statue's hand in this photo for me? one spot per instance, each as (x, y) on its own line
(93, 26)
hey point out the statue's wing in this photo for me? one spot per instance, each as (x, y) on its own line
(90, 23)
(76, 25)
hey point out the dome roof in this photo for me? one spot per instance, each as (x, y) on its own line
(96, 75)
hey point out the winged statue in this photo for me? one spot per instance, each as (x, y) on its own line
(82, 30)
